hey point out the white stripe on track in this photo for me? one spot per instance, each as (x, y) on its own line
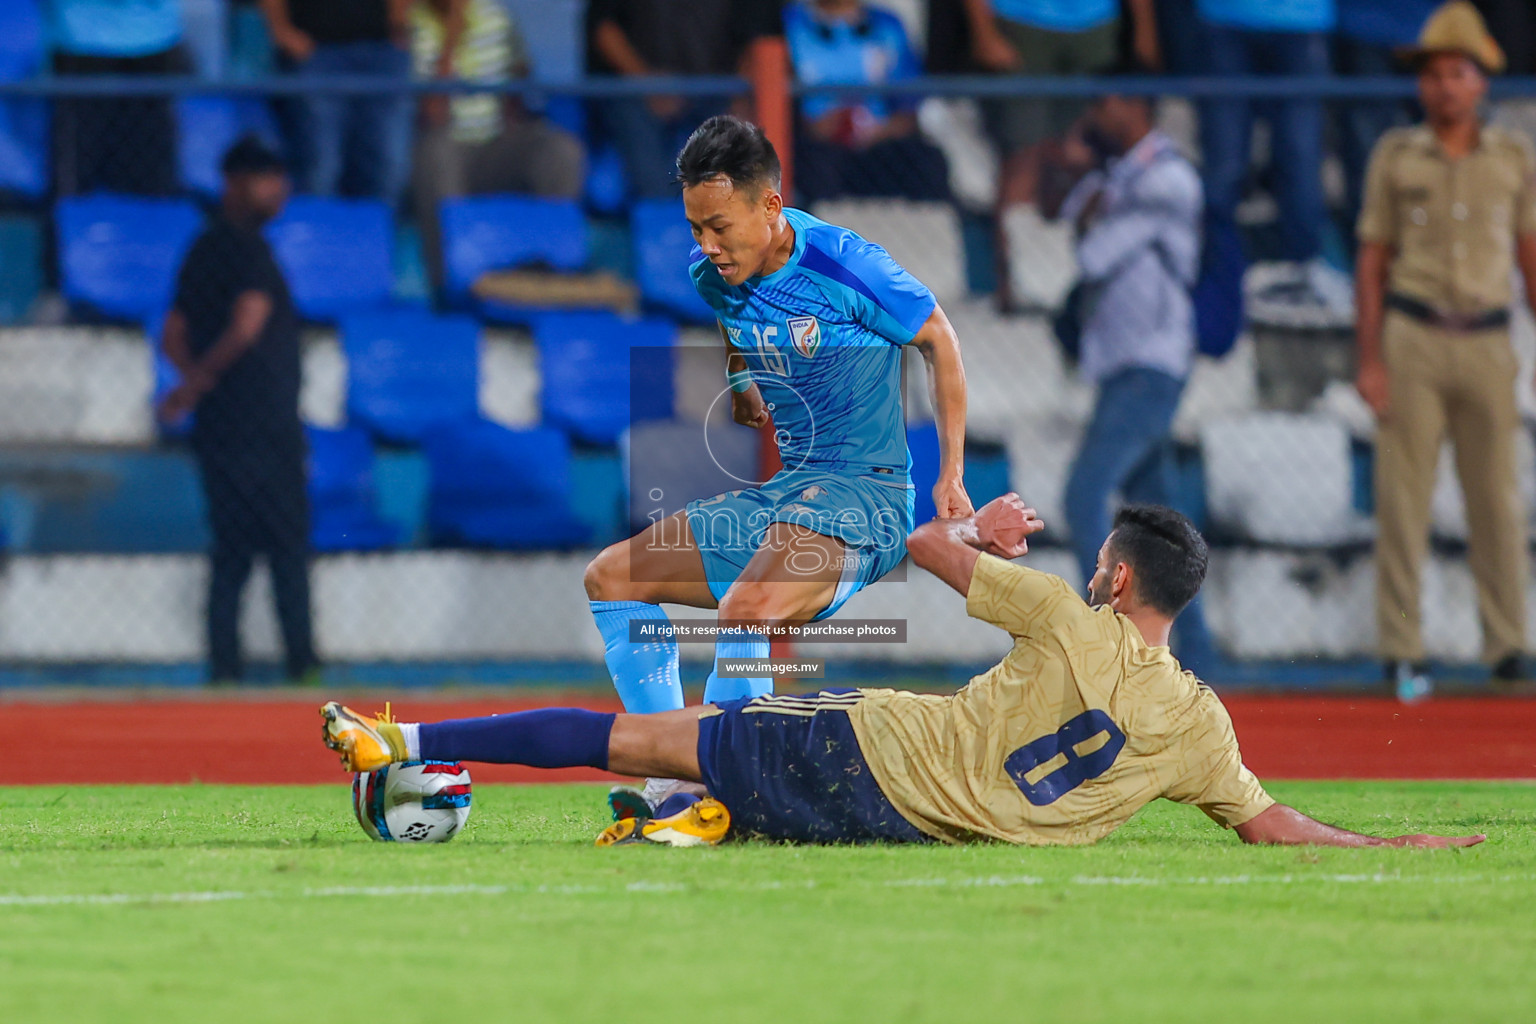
(665, 888)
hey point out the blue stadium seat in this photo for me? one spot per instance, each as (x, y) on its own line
(120, 255)
(585, 362)
(500, 488)
(409, 370)
(24, 165)
(501, 232)
(607, 184)
(207, 126)
(343, 513)
(923, 446)
(22, 43)
(663, 241)
(23, 122)
(337, 254)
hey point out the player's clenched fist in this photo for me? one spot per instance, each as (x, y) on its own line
(1003, 524)
(749, 409)
(949, 498)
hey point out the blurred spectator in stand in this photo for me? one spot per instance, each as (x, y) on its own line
(1137, 214)
(250, 41)
(1035, 38)
(234, 336)
(1262, 37)
(1180, 37)
(869, 146)
(640, 38)
(467, 145)
(205, 36)
(357, 144)
(947, 38)
(116, 144)
(1449, 214)
(1367, 42)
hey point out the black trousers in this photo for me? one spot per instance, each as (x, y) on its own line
(257, 504)
(117, 144)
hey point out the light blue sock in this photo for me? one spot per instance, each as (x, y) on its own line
(737, 643)
(645, 674)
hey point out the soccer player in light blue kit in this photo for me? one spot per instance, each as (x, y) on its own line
(814, 319)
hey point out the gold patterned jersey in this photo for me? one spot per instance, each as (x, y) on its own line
(1064, 739)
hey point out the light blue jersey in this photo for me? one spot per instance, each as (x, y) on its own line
(822, 337)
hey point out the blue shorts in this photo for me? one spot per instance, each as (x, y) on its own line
(790, 768)
(871, 514)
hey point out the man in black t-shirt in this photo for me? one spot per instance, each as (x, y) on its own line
(358, 144)
(234, 336)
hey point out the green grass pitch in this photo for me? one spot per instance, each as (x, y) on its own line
(235, 904)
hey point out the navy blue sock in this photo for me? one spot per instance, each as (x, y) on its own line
(546, 738)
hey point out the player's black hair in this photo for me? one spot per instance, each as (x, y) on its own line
(1166, 552)
(729, 147)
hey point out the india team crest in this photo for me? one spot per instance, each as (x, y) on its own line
(805, 333)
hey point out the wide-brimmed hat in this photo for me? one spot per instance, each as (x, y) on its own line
(1456, 27)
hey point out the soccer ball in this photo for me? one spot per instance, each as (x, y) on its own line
(412, 802)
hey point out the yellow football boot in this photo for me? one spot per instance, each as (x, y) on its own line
(702, 823)
(364, 743)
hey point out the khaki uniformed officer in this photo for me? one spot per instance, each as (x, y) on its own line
(1449, 206)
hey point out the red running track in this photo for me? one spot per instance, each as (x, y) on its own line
(240, 740)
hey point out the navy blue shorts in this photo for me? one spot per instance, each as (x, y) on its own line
(790, 767)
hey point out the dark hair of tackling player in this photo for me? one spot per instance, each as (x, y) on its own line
(1166, 553)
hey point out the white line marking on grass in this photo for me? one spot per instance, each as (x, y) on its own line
(672, 888)
(119, 898)
(1376, 878)
(408, 890)
(990, 881)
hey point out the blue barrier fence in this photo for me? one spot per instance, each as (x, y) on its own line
(61, 589)
(1325, 87)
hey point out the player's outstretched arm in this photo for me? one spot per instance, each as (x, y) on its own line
(940, 347)
(948, 548)
(1284, 825)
